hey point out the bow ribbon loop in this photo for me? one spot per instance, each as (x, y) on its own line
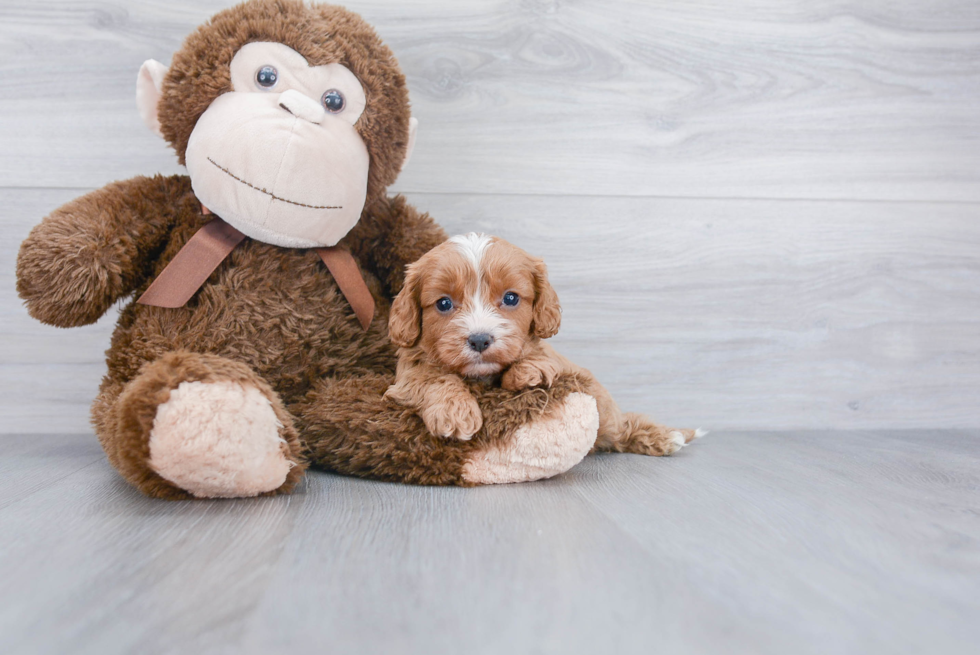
(203, 253)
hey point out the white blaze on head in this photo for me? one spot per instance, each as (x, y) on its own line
(481, 315)
(472, 246)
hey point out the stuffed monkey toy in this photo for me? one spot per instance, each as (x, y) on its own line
(254, 337)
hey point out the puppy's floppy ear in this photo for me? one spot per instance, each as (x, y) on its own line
(405, 320)
(546, 316)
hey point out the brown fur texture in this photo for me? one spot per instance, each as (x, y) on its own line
(347, 426)
(436, 357)
(268, 317)
(447, 272)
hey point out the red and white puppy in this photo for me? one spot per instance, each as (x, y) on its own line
(478, 307)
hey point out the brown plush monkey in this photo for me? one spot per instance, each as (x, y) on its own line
(256, 340)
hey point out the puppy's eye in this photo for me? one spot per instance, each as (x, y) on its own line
(444, 304)
(511, 299)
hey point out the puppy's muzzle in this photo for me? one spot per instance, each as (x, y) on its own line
(480, 342)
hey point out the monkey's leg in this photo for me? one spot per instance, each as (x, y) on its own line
(196, 425)
(349, 427)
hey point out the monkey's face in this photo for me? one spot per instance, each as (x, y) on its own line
(278, 157)
(289, 116)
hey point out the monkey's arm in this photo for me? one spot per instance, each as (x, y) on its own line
(391, 235)
(96, 249)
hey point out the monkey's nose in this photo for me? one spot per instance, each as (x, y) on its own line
(480, 342)
(302, 106)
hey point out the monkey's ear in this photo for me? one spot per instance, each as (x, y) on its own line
(405, 320)
(546, 316)
(413, 130)
(149, 85)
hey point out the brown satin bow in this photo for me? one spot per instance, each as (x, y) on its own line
(211, 245)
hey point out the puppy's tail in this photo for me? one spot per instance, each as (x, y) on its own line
(642, 436)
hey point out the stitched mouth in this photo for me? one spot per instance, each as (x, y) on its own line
(268, 193)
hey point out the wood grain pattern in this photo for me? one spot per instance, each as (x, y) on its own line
(759, 215)
(572, 129)
(829, 99)
(723, 314)
(744, 543)
(731, 314)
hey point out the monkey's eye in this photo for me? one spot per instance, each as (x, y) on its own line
(266, 77)
(444, 304)
(334, 101)
(511, 299)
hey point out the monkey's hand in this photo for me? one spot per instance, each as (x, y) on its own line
(95, 249)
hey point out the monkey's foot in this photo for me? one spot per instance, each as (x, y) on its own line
(218, 440)
(194, 425)
(541, 449)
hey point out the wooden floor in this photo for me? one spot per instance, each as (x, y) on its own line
(759, 216)
(778, 542)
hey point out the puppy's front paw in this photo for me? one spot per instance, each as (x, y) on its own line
(455, 417)
(524, 375)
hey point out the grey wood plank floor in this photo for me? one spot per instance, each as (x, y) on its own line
(734, 314)
(768, 542)
(845, 99)
(759, 215)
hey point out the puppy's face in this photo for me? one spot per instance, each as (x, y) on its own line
(472, 303)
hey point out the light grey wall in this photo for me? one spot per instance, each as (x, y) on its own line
(757, 214)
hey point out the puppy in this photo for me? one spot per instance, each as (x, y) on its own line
(479, 307)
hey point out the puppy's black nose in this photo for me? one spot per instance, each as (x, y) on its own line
(480, 342)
